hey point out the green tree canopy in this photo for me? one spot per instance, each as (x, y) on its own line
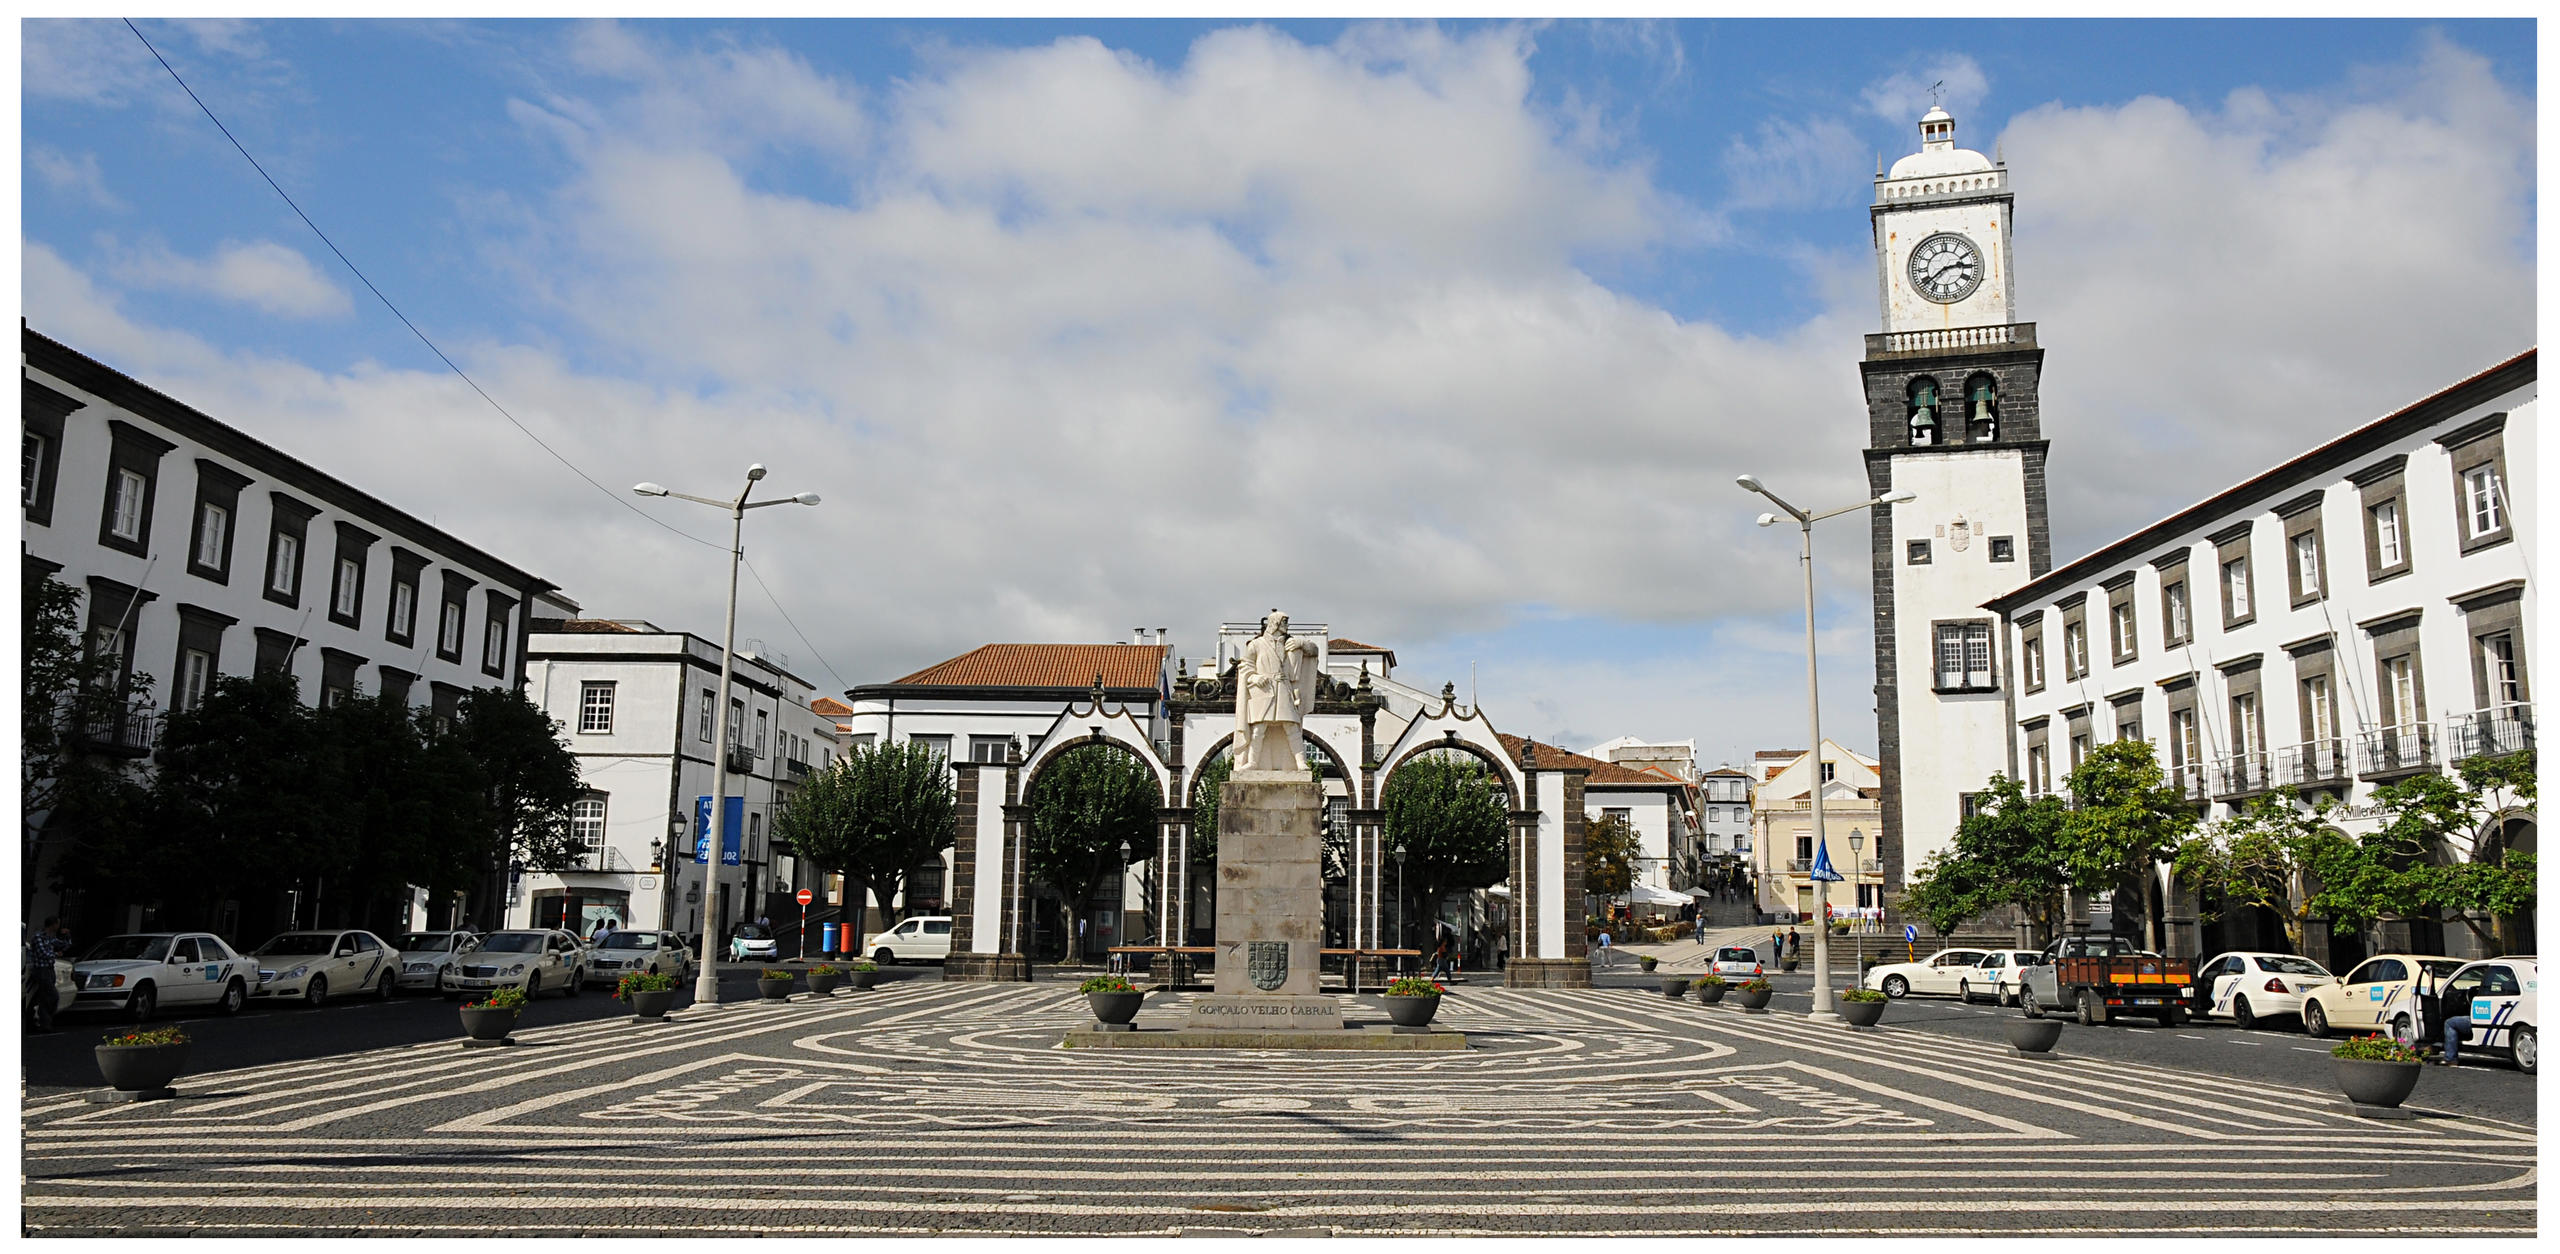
(89, 806)
(1446, 811)
(2125, 819)
(1086, 804)
(1608, 855)
(2268, 856)
(2008, 852)
(873, 817)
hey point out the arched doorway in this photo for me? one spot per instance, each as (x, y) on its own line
(1091, 809)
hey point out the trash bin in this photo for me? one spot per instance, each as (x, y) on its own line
(826, 938)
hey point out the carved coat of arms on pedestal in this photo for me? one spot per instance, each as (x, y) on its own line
(1267, 963)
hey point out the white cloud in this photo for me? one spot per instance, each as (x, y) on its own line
(1797, 165)
(1903, 96)
(262, 275)
(77, 176)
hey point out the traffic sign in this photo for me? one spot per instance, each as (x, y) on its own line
(806, 897)
(1910, 933)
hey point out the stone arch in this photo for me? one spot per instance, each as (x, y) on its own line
(1191, 783)
(1446, 728)
(1117, 728)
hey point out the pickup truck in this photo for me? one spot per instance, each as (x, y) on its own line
(2102, 976)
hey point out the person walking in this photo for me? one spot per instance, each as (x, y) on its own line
(1604, 950)
(1777, 947)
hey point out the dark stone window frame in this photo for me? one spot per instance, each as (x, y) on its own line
(1916, 553)
(116, 606)
(2482, 443)
(2004, 548)
(2383, 483)
(2174, 574)
(495, 633)
(2031, 651)
(2241, 677)
(2392, 636)
(2075, 614)
(130, 448)
(457, 599)
(276, 650)
(2491, 612)
(2232, 545)
(406, 567)
(42, 410)
(2126, 726)
(199, 631)
(356, 544)
(2315, 658)
(2180, 694)
(397, 683)
(290, 517)
(2039, 736)
(219, 486)
(1991, 664)
(2125, 646)
(444, 701)
(2078, 738)
(2300, 517)
(338, 670)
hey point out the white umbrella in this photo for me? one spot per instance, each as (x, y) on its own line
(1647, 895)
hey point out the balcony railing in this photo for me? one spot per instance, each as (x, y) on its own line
(2397, 750)
(131, 731)
(2011, 335)
(606, 859)
(797, 769)
(1799, 864)
(2240, 774)
(2189, 780)
(2507, 729)
(2313, 764)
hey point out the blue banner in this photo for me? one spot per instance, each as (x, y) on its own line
(1822, 863)
(734, 823)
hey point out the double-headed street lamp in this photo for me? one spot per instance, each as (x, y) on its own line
(1813, 714)
(706, 985)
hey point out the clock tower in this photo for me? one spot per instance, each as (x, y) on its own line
(1950, 385)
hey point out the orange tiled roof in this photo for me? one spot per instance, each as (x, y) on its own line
(1047, 666)
(1341, 645)
(829, 707)
(1553, 756)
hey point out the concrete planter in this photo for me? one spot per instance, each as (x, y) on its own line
(863, 979)
(825, 985)
(2032, 1036)
(1751, 999)
(1114, 1007)
(1412, 1012)
(1675, 986)
(142, 1068)
(1710, 994)
(1787, 964)
(2385, 1084)
(481, 1023)
(1861, 1014)
(773, 990)
(652, 1005)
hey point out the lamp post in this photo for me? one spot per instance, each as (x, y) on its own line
(1813, 716)
(1857, 889)
(706, 985)
(1399, 852)
(666, 858)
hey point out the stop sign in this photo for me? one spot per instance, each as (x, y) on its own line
(806, 897)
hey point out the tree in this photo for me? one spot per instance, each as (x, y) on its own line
(873, 817)
(1947, 890)
(1608, 855)
(1088, 803)
(1205, 792)
(373, 776)
(2268, 856)
(2125, 820)
(2008, 852)
(81, 803)
(1446, 812)
(527, 780)
(237, 806)
(2410, 868)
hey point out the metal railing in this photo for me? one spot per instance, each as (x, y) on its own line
(797, 769)
(2506, 729)
(2397, 750)
(133, 729)
(604, 858)
(2240, 774)
(2189, 780)
(2312, 763)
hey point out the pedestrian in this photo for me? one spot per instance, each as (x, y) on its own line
(1777, 947)
(1604, 950)
(1795, 944)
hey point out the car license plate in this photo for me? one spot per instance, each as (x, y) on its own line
(2146, 1001)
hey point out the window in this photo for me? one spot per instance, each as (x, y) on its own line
(2173, 614)
(2184, 747)
(2031, 660)
(346, 587)
(988, 748)
(1916, 553)
(1964, 657)
(2400, 693)
(449, 632)
(284, 565)
(1828, 770)
(2235, 590)
(737, 720)
(595, 706)
(761, 723)
(2501, 676)
(2248, 735)
(404, 610)
(1715, 814)
(1804, 849)
(586, 823)
(2120, 618)
(2079, 749)
(707, 713)
(2319, 710)
(493, 636)
(2075, 648)
(291, 520)
(2483, 503)
(864, 741)
(32, 449)
(2306, 564)
(349, 586)
(130, 489)
(213, 537)
(939, 745)
(2386, 534)
(2129, 722)
(2004, 549)
(195, 675)
(40, 413)
(2039, 770)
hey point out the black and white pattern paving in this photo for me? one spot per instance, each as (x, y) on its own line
(924, 1108)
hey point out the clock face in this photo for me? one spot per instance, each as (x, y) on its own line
(1946, 267)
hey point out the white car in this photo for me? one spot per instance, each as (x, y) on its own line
(1736, 962)
(2247, 987)
(533, 959)
(427, 959)
(920, 939)
(138, 972)
(2502, 996)
(314, 965)
(1940, 972)
(621, 953)
(2357, 1002)
(754, 940)
(1997, 975)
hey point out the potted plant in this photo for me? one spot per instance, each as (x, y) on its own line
(1412, 1000)
(1646, 961)
(1753, 994)
(1787, 963)
(2031, 1037)
(1113, 998)
(1710, 988)
(2374, 1070)
(774, 984)
(863, 972)
(1675, 986)
(824, 979)
(1862, 1007)
(142, 1061)
(491, 1018)
(650, 993)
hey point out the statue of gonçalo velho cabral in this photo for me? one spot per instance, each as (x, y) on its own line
(1275, 688)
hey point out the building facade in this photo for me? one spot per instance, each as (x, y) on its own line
(202, 551)
(1783, 835)
(638, 705)
(2353, 616)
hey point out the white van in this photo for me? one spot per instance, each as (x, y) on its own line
(921, 939)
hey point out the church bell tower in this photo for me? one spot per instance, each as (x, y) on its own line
(1951, 416)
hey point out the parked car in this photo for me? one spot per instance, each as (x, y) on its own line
(313, 965)
(754, 940)
(1940, 972)
(46, 987)
(2502, 996)
(620, 954)
(2355, 1003)
(139, 972)
(427, 959)
(920, 939)
(2247, 987)
(1734, 961)
(533, 959)
(1996, 974)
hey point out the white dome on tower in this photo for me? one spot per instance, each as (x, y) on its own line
(1938, 152)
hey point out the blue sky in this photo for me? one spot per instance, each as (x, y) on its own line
(1486, 315)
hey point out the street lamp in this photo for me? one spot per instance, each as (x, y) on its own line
(1399, 852)
(1858, 888)
(665, 859)
(1813, 715)
(706, 986)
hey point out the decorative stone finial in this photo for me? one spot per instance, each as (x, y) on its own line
(1097, 690)
(1449, 695)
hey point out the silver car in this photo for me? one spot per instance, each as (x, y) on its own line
(426, 958)
(620, 953)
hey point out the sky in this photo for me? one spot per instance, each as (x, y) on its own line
(1451, 335)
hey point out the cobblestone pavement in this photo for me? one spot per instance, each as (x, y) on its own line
(948, 1108)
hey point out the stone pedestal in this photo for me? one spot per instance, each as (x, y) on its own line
(1270, 938)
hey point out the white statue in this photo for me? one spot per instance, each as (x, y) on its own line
(1275, 688)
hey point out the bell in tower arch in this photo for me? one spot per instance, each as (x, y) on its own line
(1924, 411)
(1982, 423)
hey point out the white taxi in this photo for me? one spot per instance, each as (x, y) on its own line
(623, 953)
(533, 959)
(2502, 997)
(1996, 975)
(139, 972)
(920, 939)
(2356, 1003)
(2247, 987)
(1941, 972)
(313, 965)
(427, 959)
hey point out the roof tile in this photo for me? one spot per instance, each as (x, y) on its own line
(1047, 666)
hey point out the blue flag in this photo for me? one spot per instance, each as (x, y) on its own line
(735, 820)
(1822, 864)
